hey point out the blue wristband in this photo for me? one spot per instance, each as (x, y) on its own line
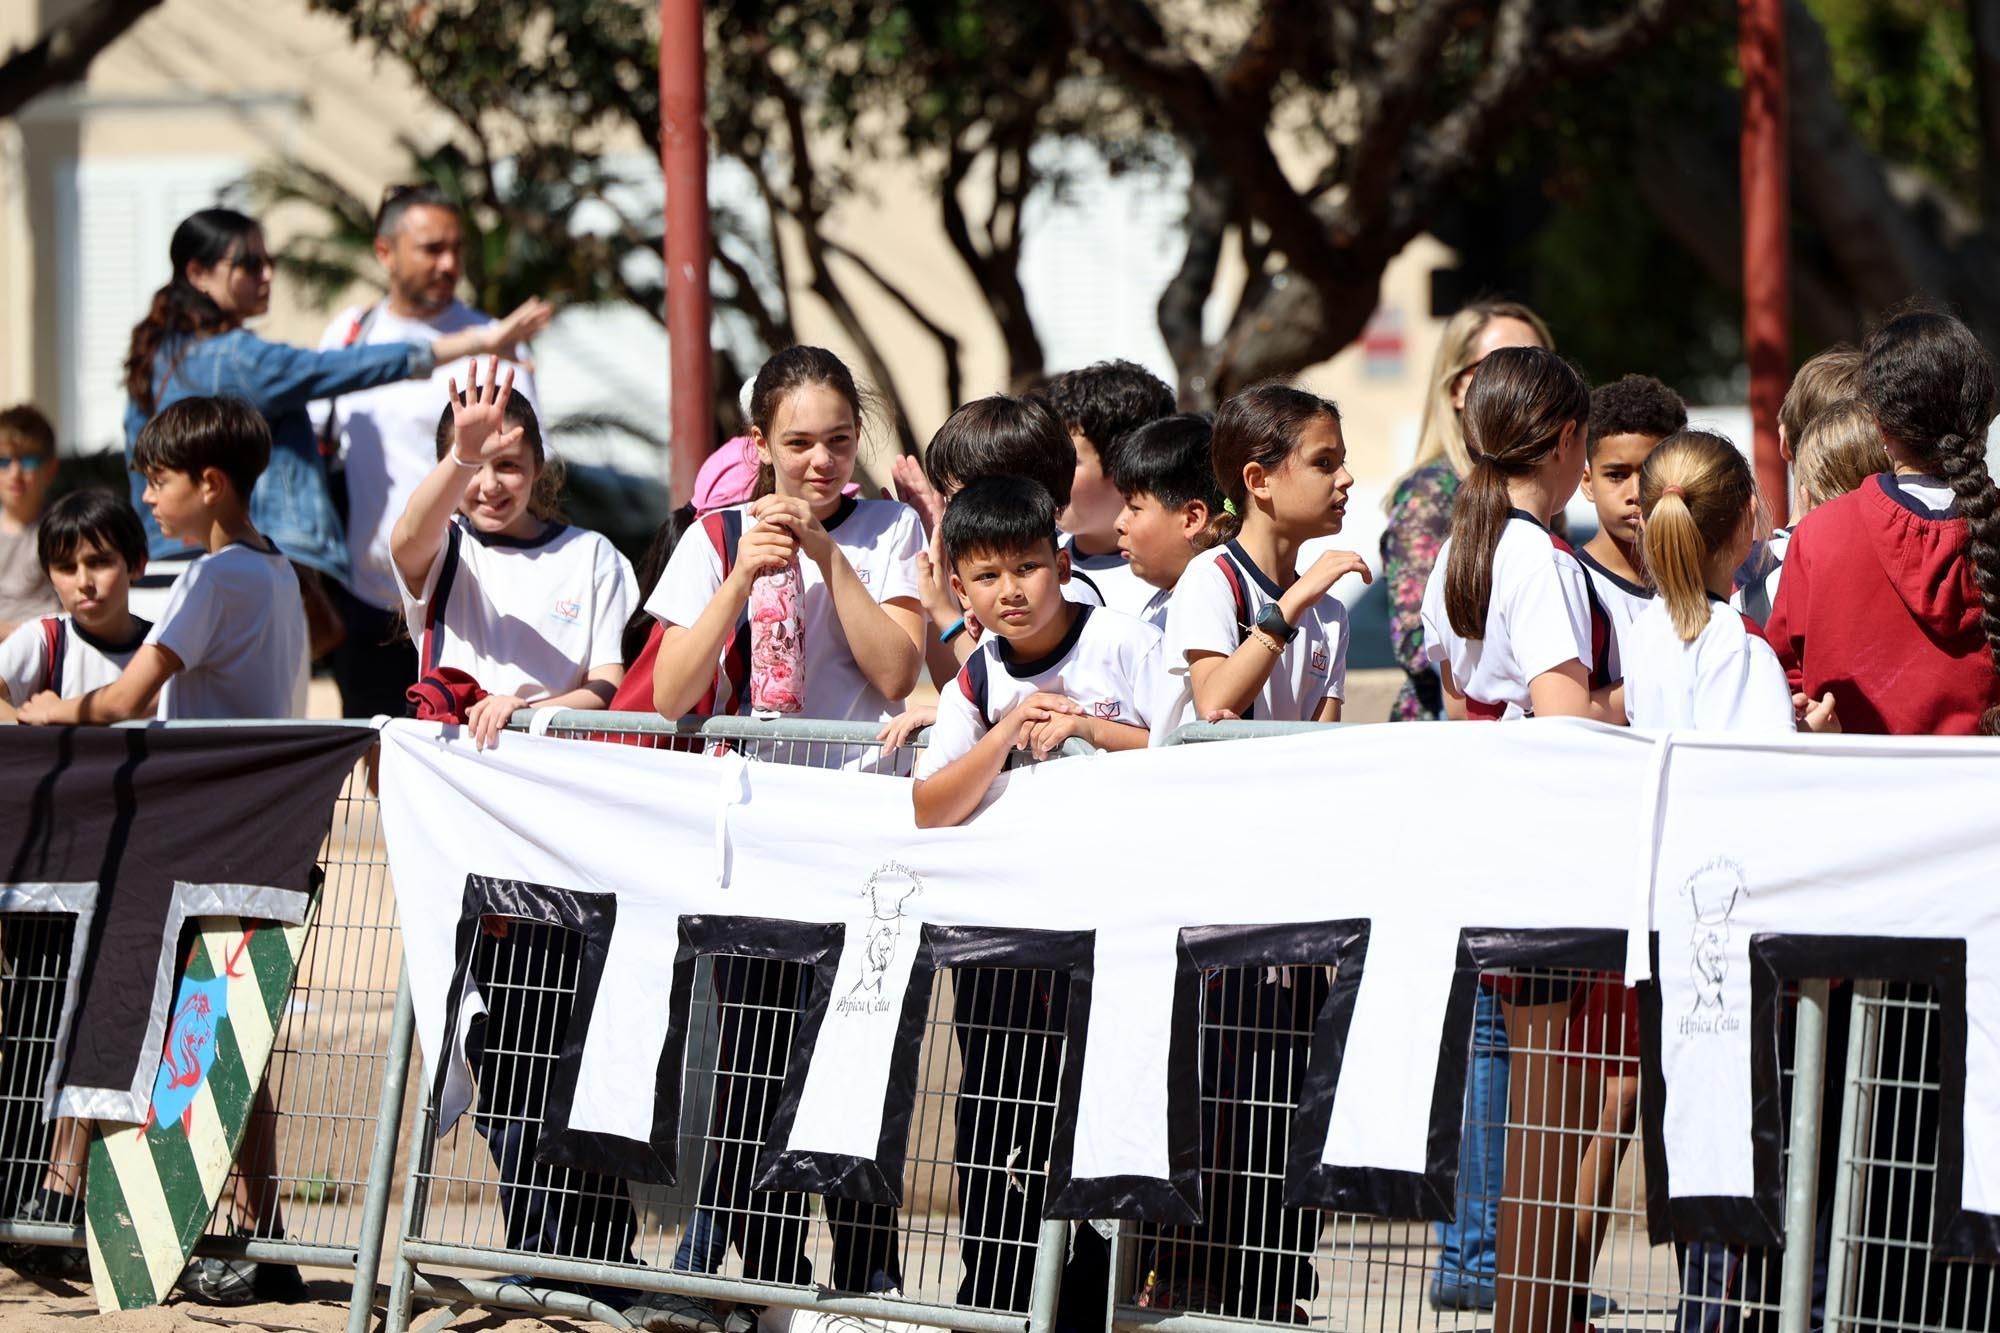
(952, 630)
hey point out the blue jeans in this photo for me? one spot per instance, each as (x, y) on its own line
(1469, 1247)
(704, 1244)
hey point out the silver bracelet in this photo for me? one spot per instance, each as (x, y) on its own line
(470, 467)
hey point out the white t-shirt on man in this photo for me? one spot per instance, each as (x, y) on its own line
(236, 623)
(1108, 662)
(388, 434)
(1727, 679)
(880, 538)
(1537, 617)
(531, 617)
(86, 662)
(1203, 617)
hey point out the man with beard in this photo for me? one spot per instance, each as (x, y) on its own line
(387, 436)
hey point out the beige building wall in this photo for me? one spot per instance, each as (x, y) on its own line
(202, 84)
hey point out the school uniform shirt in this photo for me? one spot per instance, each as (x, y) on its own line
(881, 540)
(85, 662)
(1110, 577)
(1623, 601)
(1540, 614)
(1880, 606)
(387, 435)
(236, 623)
(530, 617)
(1205, 616)
(1727, 679)
(1107, 662)
(1154, 613)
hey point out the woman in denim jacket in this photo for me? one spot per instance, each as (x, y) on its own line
(192, 343)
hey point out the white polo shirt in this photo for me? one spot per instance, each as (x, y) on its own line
(1623, 601)
(388, 434)
(880, 538)
(1204, 615)
(1110, 576)
(1728, 679)
(1538, 616)
(85, 661)
(1108, 662)
(528, 617)
(236, 623)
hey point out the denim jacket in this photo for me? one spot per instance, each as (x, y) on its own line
(291, 503)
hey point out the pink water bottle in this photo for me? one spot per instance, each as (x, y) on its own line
(778, 643)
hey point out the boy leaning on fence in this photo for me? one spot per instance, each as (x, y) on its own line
(1047, 670)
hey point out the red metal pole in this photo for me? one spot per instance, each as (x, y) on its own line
(684, 168)
(1767, 292)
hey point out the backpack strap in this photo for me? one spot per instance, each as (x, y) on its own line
(55, 647)
(972, 678)
(434, 613)
(1239, 592)
(729, 694)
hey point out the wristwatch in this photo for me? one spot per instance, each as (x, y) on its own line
(1272, 621)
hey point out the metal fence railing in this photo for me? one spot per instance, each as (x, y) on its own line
(967, 1250)
(335, 1081)
(1552, 1214)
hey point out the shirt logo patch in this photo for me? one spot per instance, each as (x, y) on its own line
(1105, 708)
(862, 574)
(568, 610)
(1321, 659)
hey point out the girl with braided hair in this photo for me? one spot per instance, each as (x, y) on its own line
(1891, 596)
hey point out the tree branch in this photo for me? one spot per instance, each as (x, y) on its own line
(64, 53)
(1209, 208)
(947, 341)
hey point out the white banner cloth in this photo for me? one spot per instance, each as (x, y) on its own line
(1423, 833)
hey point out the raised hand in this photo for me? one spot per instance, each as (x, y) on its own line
(528, 319)
(479, 416)
(1331, 568)
(914, 489)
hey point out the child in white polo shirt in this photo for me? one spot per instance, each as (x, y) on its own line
(91, 545)
(1046, 670)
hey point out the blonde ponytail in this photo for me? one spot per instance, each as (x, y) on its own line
(1694, 491)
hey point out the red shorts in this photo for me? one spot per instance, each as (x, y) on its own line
(1605, 1027)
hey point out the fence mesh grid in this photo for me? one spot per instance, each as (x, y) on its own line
(1568, 1181)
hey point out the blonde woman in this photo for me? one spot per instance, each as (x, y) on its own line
(1420, 508)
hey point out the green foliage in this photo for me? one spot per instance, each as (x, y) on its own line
(1904, 72)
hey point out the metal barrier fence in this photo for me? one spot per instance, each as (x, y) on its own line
(1552, 1154)
(321, 1192)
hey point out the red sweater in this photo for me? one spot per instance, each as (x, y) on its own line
(1877, 603)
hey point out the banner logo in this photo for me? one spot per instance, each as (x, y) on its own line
(1712, 893)
(890, 886)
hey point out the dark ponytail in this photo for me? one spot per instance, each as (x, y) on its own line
(1930, 385)
(1520, 401)
(1261, 425)
(179, 309)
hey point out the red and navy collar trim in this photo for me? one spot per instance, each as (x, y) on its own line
(841, 512)
(1028, 670)
(1249, 567)
(1528, 517)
